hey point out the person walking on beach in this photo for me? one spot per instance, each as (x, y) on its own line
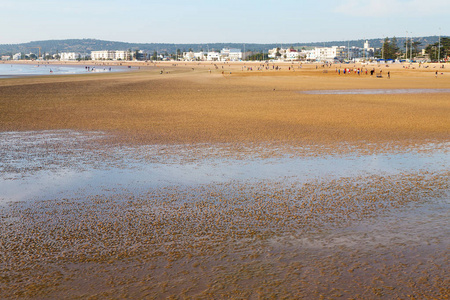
(389, 75)
(436, 74)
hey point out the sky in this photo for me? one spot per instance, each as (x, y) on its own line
(225, 21)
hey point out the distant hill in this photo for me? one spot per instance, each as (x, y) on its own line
(376, 43)
(88, 45)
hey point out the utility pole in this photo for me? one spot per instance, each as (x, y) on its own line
(348, 50)
(439, 50)
(411, 48)
(406, 42)
(364, 48)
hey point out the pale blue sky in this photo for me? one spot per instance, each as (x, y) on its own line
(202, 21)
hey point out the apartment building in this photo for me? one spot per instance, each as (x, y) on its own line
(231, 54)
(225, 54)
(122, 55)
(69, 56)
(103, 55)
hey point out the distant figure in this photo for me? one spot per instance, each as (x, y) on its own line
(389, 75)
(436, 74)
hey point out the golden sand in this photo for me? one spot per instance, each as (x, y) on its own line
(247, 240)
(193, 106)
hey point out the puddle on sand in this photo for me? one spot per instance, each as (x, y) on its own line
(376, 91)
(54, 165)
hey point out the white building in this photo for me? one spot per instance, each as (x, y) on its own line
(69, 56)
(193, 56)
(110, 55)
(291, 54)
(122, 55)
(288, 54)
(224, 55)
(231, 54)
(330, 53)
(340, 53)
(17, 56)
(200, 55)
(310, 55)
(368, 51)
(103, 55)
(6, 57)
(189, 56)
(213, 56)
(273, 52)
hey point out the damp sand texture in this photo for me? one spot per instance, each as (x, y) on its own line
(372, 233)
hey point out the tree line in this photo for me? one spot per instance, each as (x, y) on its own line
(390, 49)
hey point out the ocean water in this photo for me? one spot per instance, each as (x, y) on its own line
(19, 70)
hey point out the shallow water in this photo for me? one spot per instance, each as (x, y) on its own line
(17, 70)
(376, 91)
(37, 165)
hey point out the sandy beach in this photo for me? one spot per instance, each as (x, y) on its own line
(226, 180)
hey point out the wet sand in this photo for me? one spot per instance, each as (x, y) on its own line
(272, 220)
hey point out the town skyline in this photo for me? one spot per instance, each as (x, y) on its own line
(234, 22)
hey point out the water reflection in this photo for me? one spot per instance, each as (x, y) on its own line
(17, 70)
(140, 174)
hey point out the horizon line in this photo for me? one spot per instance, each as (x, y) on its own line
(205, 43)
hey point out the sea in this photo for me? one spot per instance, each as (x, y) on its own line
(8, 70)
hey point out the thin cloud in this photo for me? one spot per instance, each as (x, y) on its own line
(379, 8)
